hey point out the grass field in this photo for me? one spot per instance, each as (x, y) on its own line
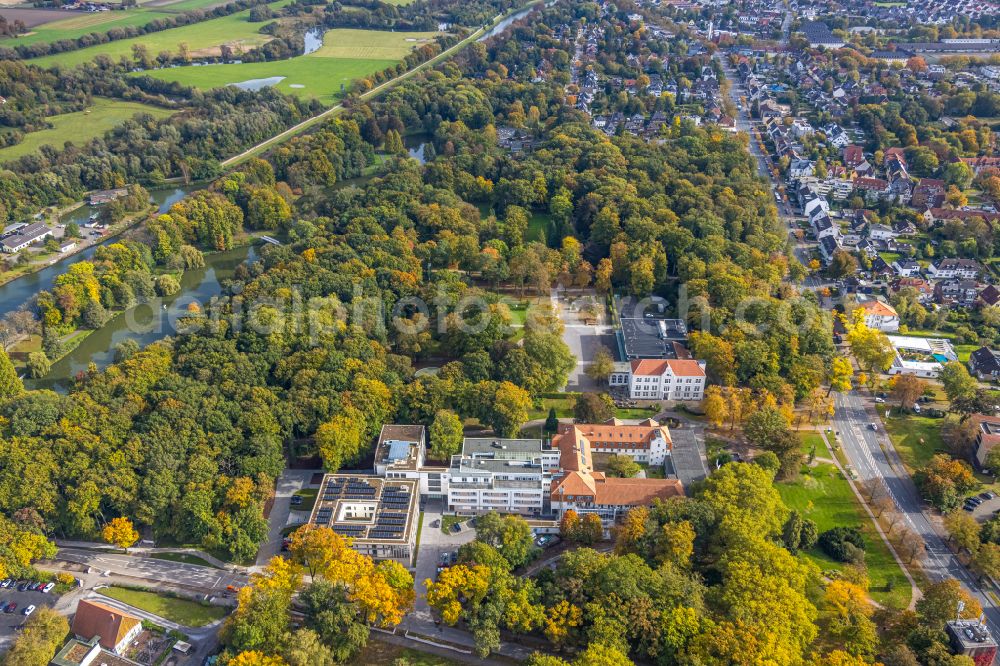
(78, 24)
(317, 75)
(182, 611)
(202, 39)
(813, 440)
(370, 44)
(80, 126)
(823, 495)
(916, 438)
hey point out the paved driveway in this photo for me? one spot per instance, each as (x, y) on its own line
(290, 481)
(582, 339)
(433, 542)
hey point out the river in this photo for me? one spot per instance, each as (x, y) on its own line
(504, 24)
(148, 322)
(16, 293)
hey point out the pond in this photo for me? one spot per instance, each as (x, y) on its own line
(313, 39)
(254, 85)
(148, 322)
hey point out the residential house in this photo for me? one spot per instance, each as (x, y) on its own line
(828, 245)
(922, 287)
(988, 296)
(881, 232)
(906, 267)
(24, 237)
(116, 628)
(987, 435)
(956, 292)
(880, 316)
(985, 363)
(954, 268)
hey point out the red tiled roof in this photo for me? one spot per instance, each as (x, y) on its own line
(679, 367)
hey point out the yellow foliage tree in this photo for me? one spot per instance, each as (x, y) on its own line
(256, 658)
(120, 532)
(454, 583)
(560, 619)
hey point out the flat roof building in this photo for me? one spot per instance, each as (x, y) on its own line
(378, 515)
(972, 638)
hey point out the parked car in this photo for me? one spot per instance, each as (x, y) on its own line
(296, 500)
(987, 495)
(23, 587)
(38, 587)
(6, 582)
(969, 507)
(29, 610)
(435, 523)
(880, 400)
(456, 527)
(453, 560)
(11, 607)
(48, 587)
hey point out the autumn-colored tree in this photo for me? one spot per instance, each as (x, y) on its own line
(633, 528)
(906, 389)
(715, 406)
(870, 346)
(986, 560)
(569, 524)
(963, 530)
(591, 530)
(460, 582)
(560, 620)
(676, 543)
(256, 658)
(39, 639)
(841, 371)
(601, 366)
(847, 617)
(940, 602)
(120, 532)
(10, 383)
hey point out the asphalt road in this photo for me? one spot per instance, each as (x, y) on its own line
(207, 579)
(872, 456)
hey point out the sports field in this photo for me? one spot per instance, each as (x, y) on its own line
(81, 126)
(71, 25)
(343, 57)
(201, 38)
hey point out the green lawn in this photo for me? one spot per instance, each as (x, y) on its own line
(916, 438)
(182, 611)
(562, 404)
(80, 126)
(202, 38)
(823, 495)
(538, 227)
(308, 496)
(186, 558)
(448, 521)
(812, 439)
(635, 413)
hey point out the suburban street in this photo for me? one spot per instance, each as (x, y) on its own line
(872, 456)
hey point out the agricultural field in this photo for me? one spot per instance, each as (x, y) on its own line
(371, 44)
(317, 75)
(202, 39)
(54, 25)
(80, 126)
